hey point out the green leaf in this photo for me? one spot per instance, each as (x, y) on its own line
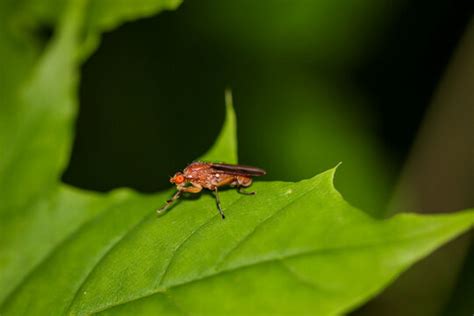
(292, 248)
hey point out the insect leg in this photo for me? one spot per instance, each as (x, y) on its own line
(169, 202)
(244, 182)
(218, 202)
(241, 191)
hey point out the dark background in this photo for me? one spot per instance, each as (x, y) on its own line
(314, 83)
(152, 95)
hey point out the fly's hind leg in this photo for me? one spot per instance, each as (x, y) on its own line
(243, 182)
(241, 191)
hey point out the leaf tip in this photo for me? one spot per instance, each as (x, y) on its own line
(228, 98)
(174, 4)
(225, 147)
(230, 119)
(326, 177)
(332, 172)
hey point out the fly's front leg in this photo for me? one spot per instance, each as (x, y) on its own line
(194, 188)
(218, 202)
(169, 202)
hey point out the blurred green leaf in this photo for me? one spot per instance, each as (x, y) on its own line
(332, 32)
(38, 104)
(294, 247)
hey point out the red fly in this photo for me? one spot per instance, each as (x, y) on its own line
(211, 176)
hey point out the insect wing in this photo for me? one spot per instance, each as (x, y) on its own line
(239, 170)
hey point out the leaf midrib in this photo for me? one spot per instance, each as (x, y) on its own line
(183, 243)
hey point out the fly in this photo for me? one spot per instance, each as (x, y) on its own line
(207, 175)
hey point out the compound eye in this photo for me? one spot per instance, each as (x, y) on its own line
(179, 179)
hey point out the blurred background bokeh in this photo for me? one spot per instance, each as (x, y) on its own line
(369, 83)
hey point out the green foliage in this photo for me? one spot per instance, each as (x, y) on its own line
(294, 247)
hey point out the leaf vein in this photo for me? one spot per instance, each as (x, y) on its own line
(222, 260)
(102, 257)
(299, 278)
(184, 242)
